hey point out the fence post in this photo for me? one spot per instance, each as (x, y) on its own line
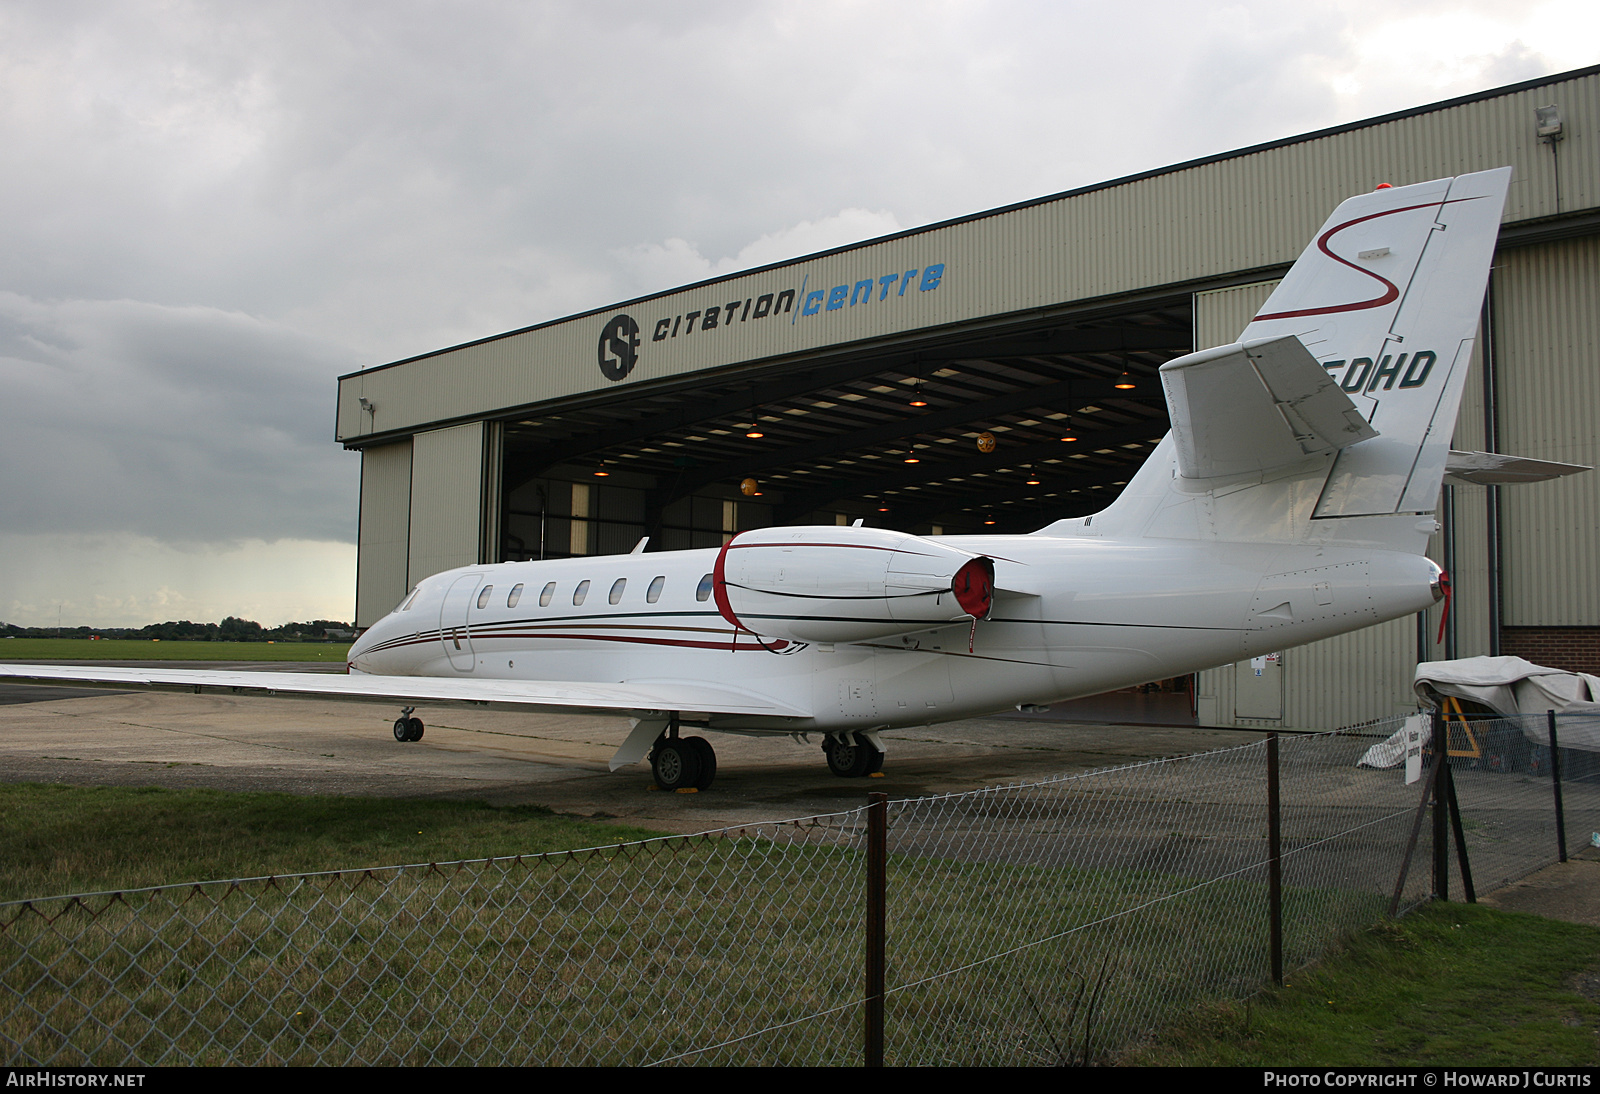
(1441, 831)
(1428, 785)
(1463, 863)
(1555, 781)
(877, 872)
(1274, 860)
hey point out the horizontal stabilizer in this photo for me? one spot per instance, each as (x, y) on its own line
(1254, 406)
(1495, 469)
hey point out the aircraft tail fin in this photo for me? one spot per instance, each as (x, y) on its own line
(1330, 419)
(1387, 298)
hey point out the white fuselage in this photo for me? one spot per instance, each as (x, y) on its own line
(1072, 616)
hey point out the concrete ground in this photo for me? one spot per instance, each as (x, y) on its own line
(310, 746)
(1567, 891)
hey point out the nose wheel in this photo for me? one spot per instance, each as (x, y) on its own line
(407, 728)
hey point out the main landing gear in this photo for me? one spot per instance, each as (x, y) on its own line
(407, 728)
(851, 756)
(682, 763)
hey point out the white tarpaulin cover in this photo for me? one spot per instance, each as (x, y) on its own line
(1510, 687)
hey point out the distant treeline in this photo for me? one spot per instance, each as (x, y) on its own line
(231, 629)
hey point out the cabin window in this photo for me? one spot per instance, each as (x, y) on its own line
(514, 595)
(616, 589)
(483, 597)
(705, 588)
(544, 597)
(653, 593)
(580, 592)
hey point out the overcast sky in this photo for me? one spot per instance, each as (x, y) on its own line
(213, 210)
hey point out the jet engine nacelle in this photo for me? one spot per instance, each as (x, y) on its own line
(823, 583)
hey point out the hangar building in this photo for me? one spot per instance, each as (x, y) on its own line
(857, 382)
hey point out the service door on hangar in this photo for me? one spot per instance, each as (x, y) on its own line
(1258, 687)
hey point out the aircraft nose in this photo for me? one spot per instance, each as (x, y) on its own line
(358, 651)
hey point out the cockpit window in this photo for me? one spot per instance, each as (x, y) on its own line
(704, 590)
(616, 589)
(580, 592)
(548, 592)
(483, 597)
(405, 605)
(653, 593)
(514, 595)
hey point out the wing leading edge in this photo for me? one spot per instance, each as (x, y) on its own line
(538, 695)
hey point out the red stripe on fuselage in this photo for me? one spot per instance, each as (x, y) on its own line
(724, 644)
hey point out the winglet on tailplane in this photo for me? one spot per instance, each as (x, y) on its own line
(1330, 419)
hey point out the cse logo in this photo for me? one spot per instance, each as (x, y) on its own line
(619, 347)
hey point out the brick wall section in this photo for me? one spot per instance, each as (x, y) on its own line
(1574, 649)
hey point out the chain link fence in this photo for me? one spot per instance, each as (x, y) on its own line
(1047, 923)
(1503, 769)
(1108, 903)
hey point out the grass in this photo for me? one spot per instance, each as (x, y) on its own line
(61, 839)
(1450, 984)
(636, 953)
(621, 955)
(129, 649)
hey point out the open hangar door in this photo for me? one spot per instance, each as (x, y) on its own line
(890, 434)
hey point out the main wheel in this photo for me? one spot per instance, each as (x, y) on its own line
(708, 761)
(402, 730)
(414, 729)
(675, 765)
(852, 761)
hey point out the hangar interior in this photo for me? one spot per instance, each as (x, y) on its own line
(1041, 331)
(890, 435)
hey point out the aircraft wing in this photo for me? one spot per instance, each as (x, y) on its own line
(578, 697)
(1253, 406)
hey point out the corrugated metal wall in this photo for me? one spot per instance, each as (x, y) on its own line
(385, 530)
(1221, 315)
(491, 508)
(1467, 555)
(446, 499)
(1547, 307)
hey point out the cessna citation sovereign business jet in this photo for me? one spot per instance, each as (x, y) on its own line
(1291, 501)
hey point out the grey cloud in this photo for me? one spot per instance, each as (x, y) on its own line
(188, 425)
